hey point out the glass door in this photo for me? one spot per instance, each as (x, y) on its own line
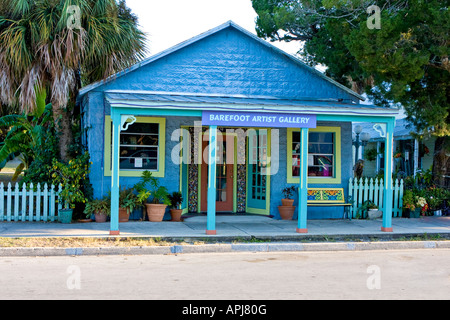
(224, 175)
(257, 171)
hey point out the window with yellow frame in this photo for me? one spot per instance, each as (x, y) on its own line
(142, 147)
(324, 155)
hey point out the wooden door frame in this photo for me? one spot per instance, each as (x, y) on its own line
(200, 164)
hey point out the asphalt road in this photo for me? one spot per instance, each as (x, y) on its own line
(387, 274)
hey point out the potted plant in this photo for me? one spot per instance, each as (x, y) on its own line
(70, 177)
(100, 208)
(371, 154)
(128, 201)
(434, 197)
(409, 203)
(287, 208)
(288, 192)
(149, 186)
(372, 210)
(175, 201)
(421, 206)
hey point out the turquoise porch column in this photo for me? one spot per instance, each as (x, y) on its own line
(116, 127)
(387, 205)
(211, 207)
(303, 188)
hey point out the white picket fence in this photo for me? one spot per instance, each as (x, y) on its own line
(35, 203)
(41, 203)
(373, 189)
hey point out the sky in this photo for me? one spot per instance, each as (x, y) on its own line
(169, 22)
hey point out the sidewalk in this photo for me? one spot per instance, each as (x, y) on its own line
(239, 230)
(244, 227)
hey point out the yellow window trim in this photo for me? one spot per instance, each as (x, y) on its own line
(137, 173)
(316, 180)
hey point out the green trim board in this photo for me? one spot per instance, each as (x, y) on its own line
(336, 179)
(184, 170)
(255, 184)
(154, 111)
(137, 173)
(248, 204)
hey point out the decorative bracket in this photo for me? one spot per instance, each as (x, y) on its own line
(124, 123)
(380, 128)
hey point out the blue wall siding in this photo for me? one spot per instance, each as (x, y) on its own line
(229, 62)
(102, 184)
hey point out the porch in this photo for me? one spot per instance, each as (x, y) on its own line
(126, 107)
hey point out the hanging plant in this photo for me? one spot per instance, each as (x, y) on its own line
(371, 154)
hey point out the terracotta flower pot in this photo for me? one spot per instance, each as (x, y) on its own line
(100, 217)
(287, 202)
(155, 212)
(176, 214)
(286, 212)
(124, 215)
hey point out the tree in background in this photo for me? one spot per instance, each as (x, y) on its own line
(49, 49)
(404, 62)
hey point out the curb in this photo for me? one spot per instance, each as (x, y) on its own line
(224, 248)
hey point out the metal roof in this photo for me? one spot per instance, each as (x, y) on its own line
(239, 102)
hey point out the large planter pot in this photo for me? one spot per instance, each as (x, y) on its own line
(416, 213)
(124, 215)
(374, 213)
(287, 202)
(406, 213)
(65, 215)
(286, 212)
(176, 214)
(155, 212)
(100, 217)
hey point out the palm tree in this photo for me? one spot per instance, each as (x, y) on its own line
(43, 55)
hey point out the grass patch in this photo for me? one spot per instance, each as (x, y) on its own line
(86, 242)
(92, 242)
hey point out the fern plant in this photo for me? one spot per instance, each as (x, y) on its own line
(149, 188)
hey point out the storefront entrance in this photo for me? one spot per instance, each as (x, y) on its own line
(242, 171)
(225, 172)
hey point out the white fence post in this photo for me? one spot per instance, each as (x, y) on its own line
(16, 202)
(24, 202)
(31, 202)
(45, 198)
(2, 202)
(8, 203)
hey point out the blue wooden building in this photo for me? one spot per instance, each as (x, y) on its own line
(229, 120)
